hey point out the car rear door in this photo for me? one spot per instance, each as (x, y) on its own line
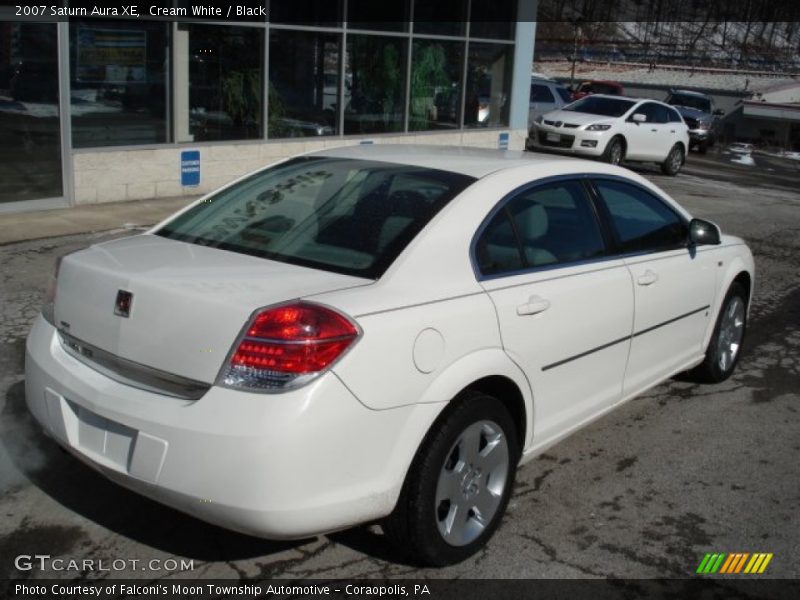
(674, 284)
(565, 312)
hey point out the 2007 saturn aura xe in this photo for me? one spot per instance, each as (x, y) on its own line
(378, 333)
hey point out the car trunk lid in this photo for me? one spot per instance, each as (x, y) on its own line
(188, 303)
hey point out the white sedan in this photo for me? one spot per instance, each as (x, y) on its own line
(378, 333)
(614, 129)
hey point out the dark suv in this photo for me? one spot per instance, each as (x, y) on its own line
(700, 114)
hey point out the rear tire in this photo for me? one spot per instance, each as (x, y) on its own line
(725, 346)
(459, 484)
(613, 154)
(702, 147)
(674, 161)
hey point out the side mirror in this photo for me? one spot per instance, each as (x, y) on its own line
(703, 233)
(718, 112)
(639, 118)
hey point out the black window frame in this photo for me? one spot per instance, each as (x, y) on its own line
(582, 179)
(618, 249)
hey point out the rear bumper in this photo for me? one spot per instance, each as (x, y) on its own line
(280, 466)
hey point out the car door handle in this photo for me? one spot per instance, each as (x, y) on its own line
(656, 130)
(534, 305)
(647, 278)
(672, 131)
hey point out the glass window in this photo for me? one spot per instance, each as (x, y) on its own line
(436, 69)
(303, 83)
(541, 93)
(556, 224)
(552, 224)
(118, 82)
(343, 215)
(674, 116)
(225, 83)
(564, 93)
(386, 15)
(374, 86)
(306, 12)
(30, 136)
(443, 17)
(497, 250)
(488, 85)
(494, 20)
(655, 113)
(642, 221)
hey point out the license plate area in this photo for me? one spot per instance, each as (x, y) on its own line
(553, 137)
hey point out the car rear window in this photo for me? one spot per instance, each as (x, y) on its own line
(598, 105)
(349, 216)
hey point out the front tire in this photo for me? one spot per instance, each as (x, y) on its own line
(459, 484)
(725, 346)
(674, 161)
(614, 152)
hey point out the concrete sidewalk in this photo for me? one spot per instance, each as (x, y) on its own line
(19, 227)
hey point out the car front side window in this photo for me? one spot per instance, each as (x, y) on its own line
(642, 222)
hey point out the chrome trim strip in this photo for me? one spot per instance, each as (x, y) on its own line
(623, 339)
(131, 373)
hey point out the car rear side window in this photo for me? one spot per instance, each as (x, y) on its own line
(642, 222)
(674, 116)
(565, 94)
(541, 93)
(546, 225)
(349, 216)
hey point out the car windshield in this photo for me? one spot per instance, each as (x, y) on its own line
(344, 215)
(690, 101)
(607, 107)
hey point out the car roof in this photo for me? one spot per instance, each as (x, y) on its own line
(475, 162)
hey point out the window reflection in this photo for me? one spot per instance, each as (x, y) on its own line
(30, 142)
(435, 85)
(374, 85)
(225, 82)
(488, 87)
(304, 83)
(118, 82)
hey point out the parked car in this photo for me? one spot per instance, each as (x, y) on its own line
(546, 95)
(700, 114)
(378, 333)
(598, 86)
(615, 129)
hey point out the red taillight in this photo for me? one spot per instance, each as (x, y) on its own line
(287, 345)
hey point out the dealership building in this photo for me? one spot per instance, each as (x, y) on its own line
(112, 109)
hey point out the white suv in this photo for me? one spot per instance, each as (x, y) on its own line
(614, 129)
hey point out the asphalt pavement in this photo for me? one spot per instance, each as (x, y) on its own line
(644, 492)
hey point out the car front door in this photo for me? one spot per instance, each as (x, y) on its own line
(674, 284)
(565, 312)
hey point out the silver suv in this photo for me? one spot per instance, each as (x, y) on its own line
(546, 95)
(701, 116)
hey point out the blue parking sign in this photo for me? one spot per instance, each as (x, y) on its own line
(190, 167)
